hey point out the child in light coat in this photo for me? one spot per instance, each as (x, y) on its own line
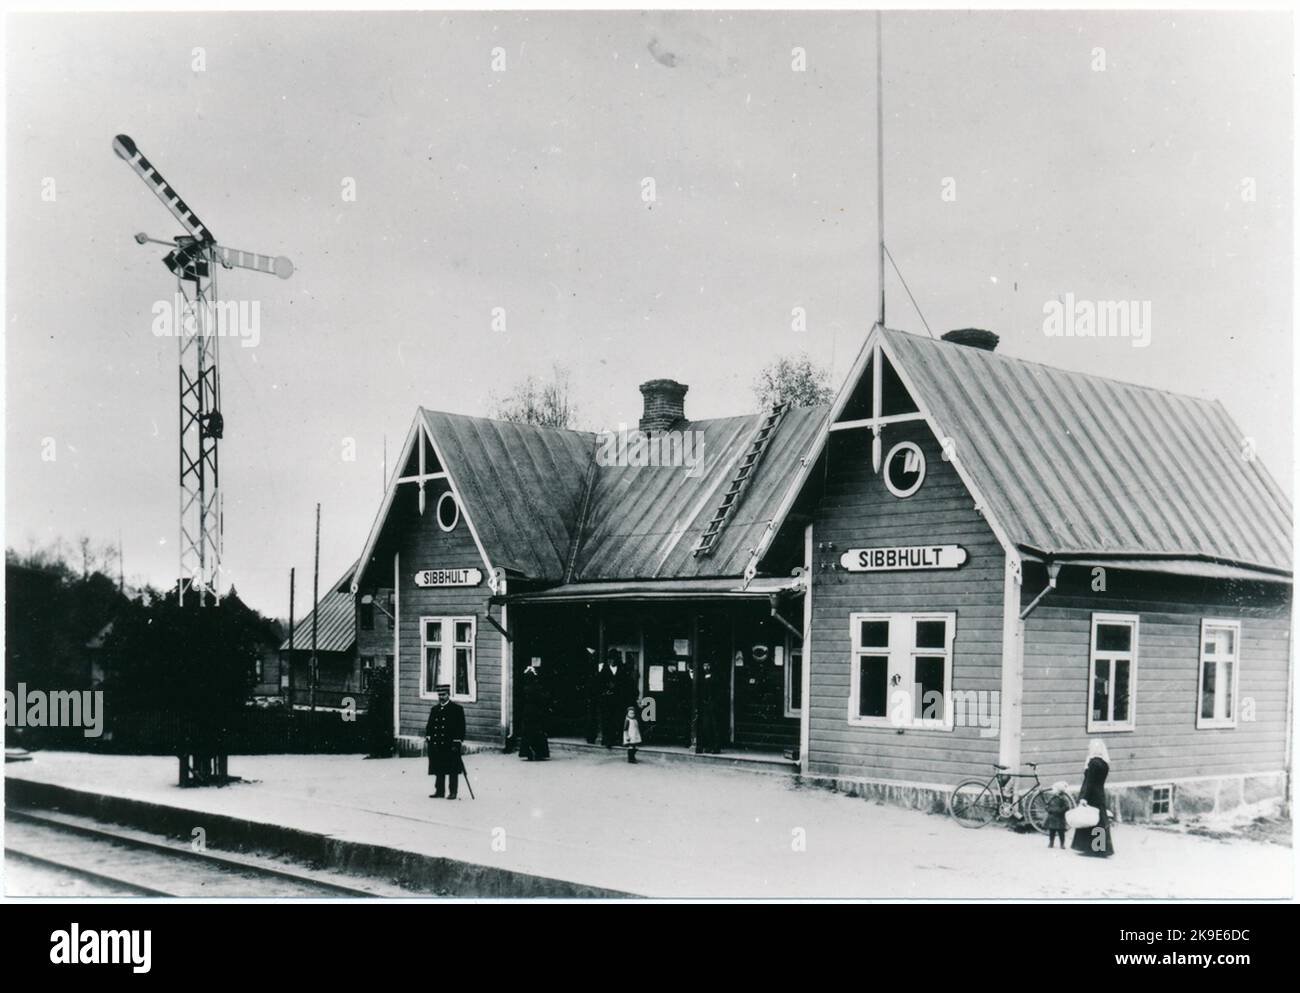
(632, 734)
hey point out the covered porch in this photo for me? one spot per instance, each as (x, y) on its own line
(664, 632)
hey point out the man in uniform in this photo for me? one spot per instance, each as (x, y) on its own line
(443, 737)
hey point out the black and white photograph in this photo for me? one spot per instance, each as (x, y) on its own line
(607, 456)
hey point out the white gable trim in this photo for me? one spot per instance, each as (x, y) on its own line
(419, 430)
(464, 510)
(875, 342)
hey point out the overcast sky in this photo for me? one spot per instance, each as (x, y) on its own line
(522, 189)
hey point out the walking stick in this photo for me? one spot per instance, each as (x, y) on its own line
(465, 772)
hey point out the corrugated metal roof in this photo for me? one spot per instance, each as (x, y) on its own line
(644, 522)
(336, 627)
(1071, 463)
(651, 589)
(1200, 568)
(522, 486)
(524, 490)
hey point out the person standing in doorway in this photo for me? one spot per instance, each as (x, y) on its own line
(617, 694)
(534, 713)
(444, 736)
(594, 679)
(706, 740)
(1096, 840)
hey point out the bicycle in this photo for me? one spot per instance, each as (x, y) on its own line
(975, 803)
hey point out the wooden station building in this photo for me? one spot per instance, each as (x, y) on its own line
(965, 559)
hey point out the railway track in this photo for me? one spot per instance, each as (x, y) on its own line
(81, 857)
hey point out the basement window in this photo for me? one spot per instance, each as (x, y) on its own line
(1162, 801)
(1112, 672)
(1220, 642)
(902, 670)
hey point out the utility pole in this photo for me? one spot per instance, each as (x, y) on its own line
(289, 686)
(315, 610)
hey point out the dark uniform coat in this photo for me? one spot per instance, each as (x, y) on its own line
(707, 736)
(618, 691)
(534, 714)
(445, 730)
(1095, 840)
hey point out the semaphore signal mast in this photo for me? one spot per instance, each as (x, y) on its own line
(193, 260)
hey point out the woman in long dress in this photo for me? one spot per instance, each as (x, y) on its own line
(1096, 840)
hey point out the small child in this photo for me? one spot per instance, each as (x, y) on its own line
(1057, 804)
(632, 735)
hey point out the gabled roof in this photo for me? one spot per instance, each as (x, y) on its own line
(522, 486)
(1071, 465)
(1064, 464)
(644, 523)
(543, 508)
(336, 626)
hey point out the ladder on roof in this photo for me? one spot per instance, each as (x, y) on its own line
(744, 472)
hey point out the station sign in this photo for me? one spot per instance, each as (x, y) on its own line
(901, 558)
(449, 577)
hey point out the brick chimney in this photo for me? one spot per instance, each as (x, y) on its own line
(986, 341)
(664, 404)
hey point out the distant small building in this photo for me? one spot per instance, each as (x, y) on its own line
(340, 676)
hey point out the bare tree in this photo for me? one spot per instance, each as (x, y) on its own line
(543, 402)
(796, 379)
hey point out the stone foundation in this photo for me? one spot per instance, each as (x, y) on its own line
(1131, 802)
(932, 799)
(409, 745)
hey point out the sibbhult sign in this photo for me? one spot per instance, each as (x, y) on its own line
(449, 577)
(903, 557)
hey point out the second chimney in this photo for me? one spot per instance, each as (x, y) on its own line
(664, 404)
(985, 341)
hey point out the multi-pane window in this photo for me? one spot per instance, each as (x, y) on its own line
(1112, 672)
(1220, 644)
(1162, 798)
(447, 650)
(902, 670)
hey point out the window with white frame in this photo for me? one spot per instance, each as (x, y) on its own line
(1217, 706)
(1112, 672)
(447, 651)
(902, 670)
(793, 676)
(1162, 800)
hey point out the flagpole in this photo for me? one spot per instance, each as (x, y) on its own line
(880, 167)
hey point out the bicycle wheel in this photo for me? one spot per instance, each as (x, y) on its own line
(972, 804)
(1035, 808)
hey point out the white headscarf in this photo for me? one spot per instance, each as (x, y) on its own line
(1097, 750)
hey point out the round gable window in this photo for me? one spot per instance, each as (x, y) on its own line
(448, 511)
(904, 469)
